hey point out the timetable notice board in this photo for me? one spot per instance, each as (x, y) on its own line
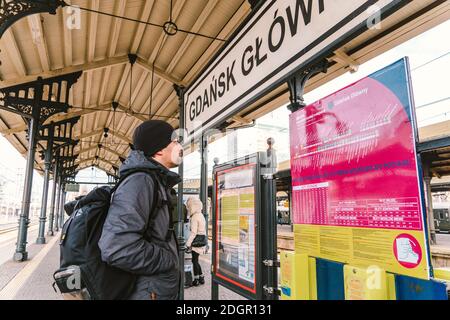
(357, 192)
(235, 224)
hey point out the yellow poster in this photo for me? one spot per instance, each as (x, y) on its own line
(236, 254)
(230, 217)
(396, 251)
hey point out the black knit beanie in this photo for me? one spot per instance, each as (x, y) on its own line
(152, 136)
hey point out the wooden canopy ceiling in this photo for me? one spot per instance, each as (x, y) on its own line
(43, 45)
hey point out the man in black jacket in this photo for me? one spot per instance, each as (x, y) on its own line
(132, 242)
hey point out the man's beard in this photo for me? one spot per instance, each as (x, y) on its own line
(177, 158)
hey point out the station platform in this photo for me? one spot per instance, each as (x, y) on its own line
(32, 279)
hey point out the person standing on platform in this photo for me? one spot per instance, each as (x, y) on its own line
(197, 239)
(138, 235)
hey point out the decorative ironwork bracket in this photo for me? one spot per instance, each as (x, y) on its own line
(64, 155)
(13, 10)
(63, 128)
(298, 82)
(40, 99)
(61, 131)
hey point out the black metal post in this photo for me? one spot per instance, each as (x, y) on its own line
(269, 235)
(427, 175)
(204, 179)
(48, 164)
(181, 241)
(214, 285)
(58, 202)
(21, 254)
(290, 209)
(52, 204)
(63, 200)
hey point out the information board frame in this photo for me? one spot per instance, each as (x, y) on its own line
(255, 293)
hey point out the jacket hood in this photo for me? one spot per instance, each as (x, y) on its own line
(137, 160)
(194, 205)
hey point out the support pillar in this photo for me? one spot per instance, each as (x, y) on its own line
(58, 202)
(181, 242)
(204, 180)
(21, 254)
(214, 285)
(48, 164)
(269, 235)
(61, 213)
(429, 198)
(291, 223)
(52, 203)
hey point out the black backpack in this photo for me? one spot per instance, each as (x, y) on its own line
(82, 273)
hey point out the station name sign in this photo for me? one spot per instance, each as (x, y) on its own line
(281, 38)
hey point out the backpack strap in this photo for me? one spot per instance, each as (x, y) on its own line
(171, 229)
(162, 203)
(166, 203)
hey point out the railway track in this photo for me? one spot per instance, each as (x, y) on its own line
(10, 227)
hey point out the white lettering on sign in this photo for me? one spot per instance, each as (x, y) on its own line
(282, 37)
(239, 179)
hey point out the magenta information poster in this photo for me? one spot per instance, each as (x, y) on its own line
(355, 176)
